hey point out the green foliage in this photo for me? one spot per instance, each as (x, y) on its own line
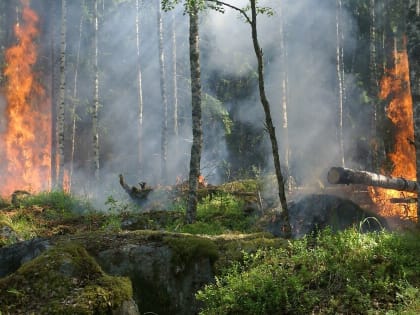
(348, 272)
(57, 200)
(214, 111)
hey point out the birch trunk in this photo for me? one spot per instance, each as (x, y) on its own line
(196, 115)
(340, 78)
(95, 109)
(268, 120)
(75, 100)
(54, 101)
(413, 34)
(174, 78)
(61, 98)
(284, 99)
(341, 175)
(139, 89)
(164, 138)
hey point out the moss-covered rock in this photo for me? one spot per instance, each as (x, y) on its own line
(63, 280)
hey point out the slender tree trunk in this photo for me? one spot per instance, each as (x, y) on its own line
(139, 89)
(61, 97)
(75, 99)
(268, 120)
(164, 142)
(95, 109)
(374, 87)
(174, 78)
(340, 78)
(196, 115)
(413, 44)
(54, 86)
(284, 99)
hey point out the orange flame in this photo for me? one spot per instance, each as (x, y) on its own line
(25, 157)
(395, 87)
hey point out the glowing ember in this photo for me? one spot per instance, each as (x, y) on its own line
(395, 86)
(26, 141)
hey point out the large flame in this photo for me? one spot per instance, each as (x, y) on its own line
(26, 142)
(395, 87)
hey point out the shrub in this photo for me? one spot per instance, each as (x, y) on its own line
(347, 272)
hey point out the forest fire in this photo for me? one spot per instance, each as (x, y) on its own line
(395, 87)
(26, 137)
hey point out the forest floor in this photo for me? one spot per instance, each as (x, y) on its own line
(345, 272)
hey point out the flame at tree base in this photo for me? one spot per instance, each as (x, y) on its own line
(26, 142)
(395, 87)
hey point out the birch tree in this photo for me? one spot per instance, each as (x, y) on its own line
(340, 78)
(374, 84)
(284, 98)
(164, 137)
(252, 21)
(196, 100)
(174, 78)
(139, 88)
(95, 107)
(75, 97)
(61, 98)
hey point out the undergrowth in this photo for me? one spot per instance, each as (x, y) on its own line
(343, 273)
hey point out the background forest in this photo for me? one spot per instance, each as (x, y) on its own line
(116, 75)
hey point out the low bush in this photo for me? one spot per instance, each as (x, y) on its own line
(346, 273)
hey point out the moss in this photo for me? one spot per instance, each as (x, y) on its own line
(187, 248)
(62, 280)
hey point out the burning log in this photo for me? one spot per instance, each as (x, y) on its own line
(341, 175)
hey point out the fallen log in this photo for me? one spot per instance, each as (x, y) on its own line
(341, 175)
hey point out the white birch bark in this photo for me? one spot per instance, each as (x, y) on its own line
(164, 137)
(75, 100)
(61, 97)
(174, 77)
(139, 89)
(340, 81)
(95, 109)
(284, 99)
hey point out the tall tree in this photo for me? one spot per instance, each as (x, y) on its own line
(95, 107)
(164, 137)
(61, 97)
(75, 96)
(139, 87)
(340, 78)
(374, 85)
(174, 79)
(192, 7)
(252, 21)
(284, 98)
(196, 112)
(413, 45)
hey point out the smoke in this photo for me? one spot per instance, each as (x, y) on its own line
(227, 52)
(312, 94)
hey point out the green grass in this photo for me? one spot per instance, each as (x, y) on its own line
(217, 214)
(59, 201)
(347, 273)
